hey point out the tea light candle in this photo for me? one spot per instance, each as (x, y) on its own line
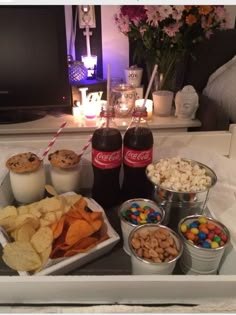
(123, 108)
(76, 111)
(148, 105)
(90, 110)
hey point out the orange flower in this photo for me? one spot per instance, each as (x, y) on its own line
(187, 7)
(191, 19)
(204, 9)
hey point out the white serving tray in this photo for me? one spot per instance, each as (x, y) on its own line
(112, 289)
(62, 266)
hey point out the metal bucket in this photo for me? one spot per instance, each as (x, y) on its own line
(198, 260)
(177, 204)
(144, 266)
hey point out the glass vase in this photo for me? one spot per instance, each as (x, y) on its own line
(77, 71)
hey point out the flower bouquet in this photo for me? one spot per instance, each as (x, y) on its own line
(163, 34)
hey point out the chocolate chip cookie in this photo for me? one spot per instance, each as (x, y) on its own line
(23, 162)
(63, 158)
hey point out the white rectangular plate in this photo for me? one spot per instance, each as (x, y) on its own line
(64, 265)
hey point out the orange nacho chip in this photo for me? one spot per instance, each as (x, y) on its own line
(74, 214)
(97, 224)
(57, 227)
(78, 230)
(95, 215)
(82, 246)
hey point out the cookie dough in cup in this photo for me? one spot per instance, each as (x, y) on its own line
(65, 167)
(27, 177)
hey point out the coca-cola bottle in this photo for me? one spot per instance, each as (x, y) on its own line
(106, 161)
(137, 154)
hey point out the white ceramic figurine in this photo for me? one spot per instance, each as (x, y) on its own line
(186, 103)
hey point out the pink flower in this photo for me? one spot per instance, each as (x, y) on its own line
(177, 12)
(172, 29)
(153, 15)
(122, 23)
(165, 11)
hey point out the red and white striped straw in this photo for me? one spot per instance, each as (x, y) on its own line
(86, 146)
(88, 143)
(53, 140)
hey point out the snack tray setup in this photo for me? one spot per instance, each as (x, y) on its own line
(114, 286)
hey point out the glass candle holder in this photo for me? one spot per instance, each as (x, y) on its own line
(123, 100)
(148, 105)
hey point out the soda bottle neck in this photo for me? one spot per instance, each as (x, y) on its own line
(139, 118)
(107, 118)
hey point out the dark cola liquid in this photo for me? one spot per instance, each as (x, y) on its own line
(106, 187)
(135, 182)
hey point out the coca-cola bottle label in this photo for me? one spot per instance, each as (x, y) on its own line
(135, 158)
(106, 160)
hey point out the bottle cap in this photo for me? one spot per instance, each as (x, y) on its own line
(107, 112)
(140, 111)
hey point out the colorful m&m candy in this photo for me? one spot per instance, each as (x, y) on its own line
(204, 233)
(138, 215)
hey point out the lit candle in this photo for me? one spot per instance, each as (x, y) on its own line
(123, 108)
(148, 105)
(90, 110)
(76, 112)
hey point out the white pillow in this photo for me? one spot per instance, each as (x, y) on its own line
(221, 87)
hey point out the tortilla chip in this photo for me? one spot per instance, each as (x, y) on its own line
(57, 227)
(78, 230)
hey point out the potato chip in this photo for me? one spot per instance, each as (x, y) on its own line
(21, 256)
(24, 233)
(51, 190)
(42, 239)
(7, 212)
(14, 234)
(70, 200)
(44, 222)
(50, 216)
(44, 256)
(23, 209)
(58, 214)
(26, 218)
(8, 223)
(35, 212)
(78, 230)
(50, 204)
